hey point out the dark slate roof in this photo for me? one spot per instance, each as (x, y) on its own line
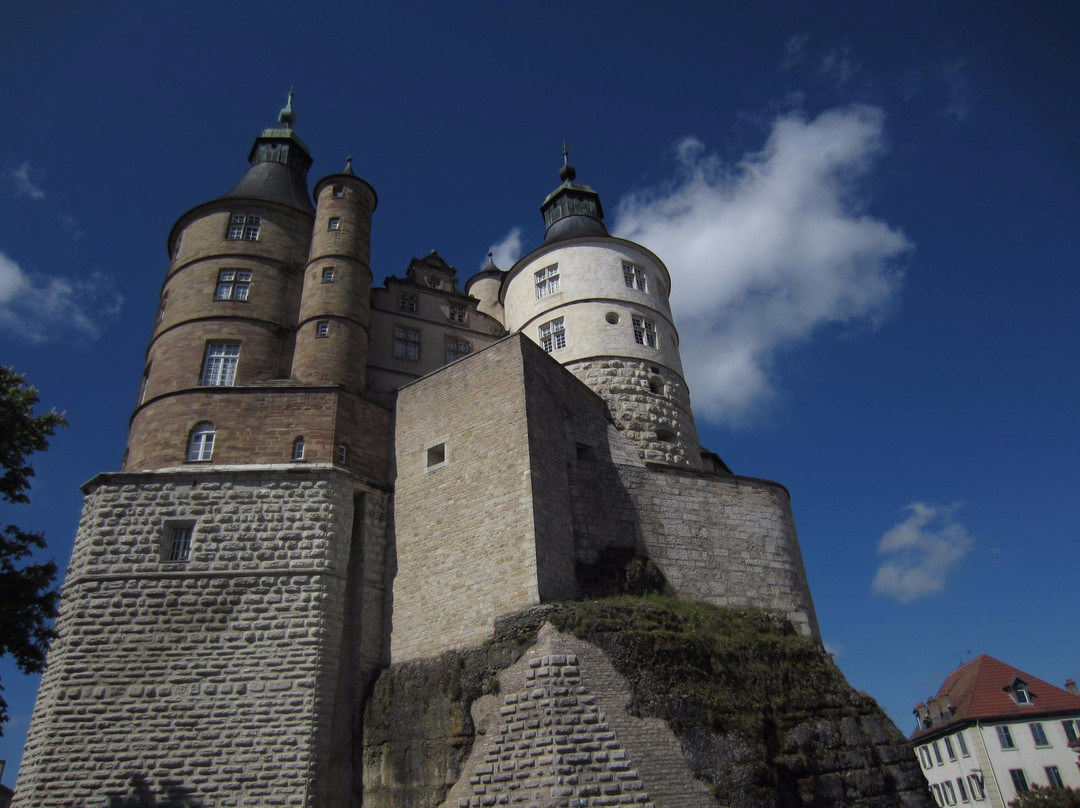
(279, 165)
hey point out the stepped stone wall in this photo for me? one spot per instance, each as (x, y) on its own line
(218, 676)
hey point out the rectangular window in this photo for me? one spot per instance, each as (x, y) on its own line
(949, 749)
(547, 281)
(976, 784)
(963, 789)
(298, 449)
(343, 453)
(924, 757)
(456, 313)
(339, 191)
(963, 744)
(322, 329)
(334, 224)
(1005, 737)
(938, 798)
(406, 343)
(644, 331)
(233, 284)
(328, 275)
(1053, 777)
(219, 366)
(180, 543)
(950, 793)
(1019, 780)
(553, 335)
(634, 277)
(244, 228)
(407, 302)
(1038, 735)
(436, 455)
(1070, 730)
(457, 348)
(937, 753)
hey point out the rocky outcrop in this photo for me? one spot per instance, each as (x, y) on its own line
(649, 702)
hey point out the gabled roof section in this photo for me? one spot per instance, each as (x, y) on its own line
(984, 689)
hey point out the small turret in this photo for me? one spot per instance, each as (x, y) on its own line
(485, 286)
(572, 210)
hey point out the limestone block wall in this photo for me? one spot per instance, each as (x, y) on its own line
(219, 674)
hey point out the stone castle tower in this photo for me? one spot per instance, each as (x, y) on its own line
(323, 477)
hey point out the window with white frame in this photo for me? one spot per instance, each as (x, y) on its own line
(963, 789)
(334, 223)
(1071, 728)
(407, 302)
(634, 277)
(950, 792)
(963, 744)
(975, 782)
(937, 753)
(406, 343)
(1053, 777)
(328, 274)
(201, 442)
(244, 228)
(938, 798)
(547, 281)
(456, 313)
(924, 757)
(298, 448)
(178, 543)
(553, 335)
(1019, 691)
(457, 348)
(322, 329)
(949, 749)
(219, 365)
(1019, 780)
(1005, 737)
(644, 331)
(233, 284)
(1038, 734)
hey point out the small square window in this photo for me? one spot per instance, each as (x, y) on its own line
(233, 284)
(456, 313)
(436, 455)
(334, 224)
(243, 228)
(339, 191)
(178, 542)
(328, 275)
(322, 329)
(407, 302)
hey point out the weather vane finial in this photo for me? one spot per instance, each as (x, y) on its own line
(567, 173)
(287, 117)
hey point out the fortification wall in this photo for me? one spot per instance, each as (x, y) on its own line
(215, 676)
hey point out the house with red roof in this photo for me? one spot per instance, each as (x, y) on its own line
(993, 731)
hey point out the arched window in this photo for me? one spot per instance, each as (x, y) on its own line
(201, 442)
(298, 448)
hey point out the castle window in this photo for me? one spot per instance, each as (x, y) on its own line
(298, 448)
(244, 228)
(1038, 734)
(339, 191)
(436, 455)
(644, 331)
(343, 453)
(219, 366)
(407, 302)
(1005, 737)
(178, 543)
(668, 436)
(201, 442)
(164, 303)
(547, 281)
(553, 335)
(456, 313)
(656, 385)
(457, 348)
(634, 277)
(328, 275)
(233, 284)
(1053, 777)
(334, 224)
(406, 343)
(322, 329)
(1019, 780)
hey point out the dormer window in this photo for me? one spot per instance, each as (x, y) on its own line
(433, 282)
(1018, 690)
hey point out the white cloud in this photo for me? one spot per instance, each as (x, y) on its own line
(505, 253)
(921, 550)
(46, 309)
(765, 252)
(24, 183)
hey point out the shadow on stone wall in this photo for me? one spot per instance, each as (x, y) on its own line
(171, 794)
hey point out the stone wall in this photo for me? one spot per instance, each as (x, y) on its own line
(217, 676)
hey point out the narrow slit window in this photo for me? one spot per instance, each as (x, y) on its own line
(298, 448)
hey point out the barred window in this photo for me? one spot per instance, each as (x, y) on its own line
(644, 331)
(634, 277)
(334, 223)
(547, 281)
(407, 302)
(244, 228)
(233, 284)
(406, 343)
(553, 335)
(219, 365)
(328, 275)
(180, 543)
(457, 348)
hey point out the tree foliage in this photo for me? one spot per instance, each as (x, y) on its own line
(27, 599)
(1039, 797)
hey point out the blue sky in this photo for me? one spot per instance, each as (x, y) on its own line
(870, 222)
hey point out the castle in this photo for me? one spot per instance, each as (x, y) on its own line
(323, 478)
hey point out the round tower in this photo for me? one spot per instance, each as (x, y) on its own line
(599, 305)
(332, 331)
(485, 286)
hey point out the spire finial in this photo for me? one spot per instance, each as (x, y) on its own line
(567, 173)
(287, 117)
(348, 165)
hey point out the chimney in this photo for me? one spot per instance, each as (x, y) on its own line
(1070, 685)
(922, 716)
(935, 709)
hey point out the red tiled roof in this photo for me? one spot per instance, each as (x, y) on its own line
(977, 690)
